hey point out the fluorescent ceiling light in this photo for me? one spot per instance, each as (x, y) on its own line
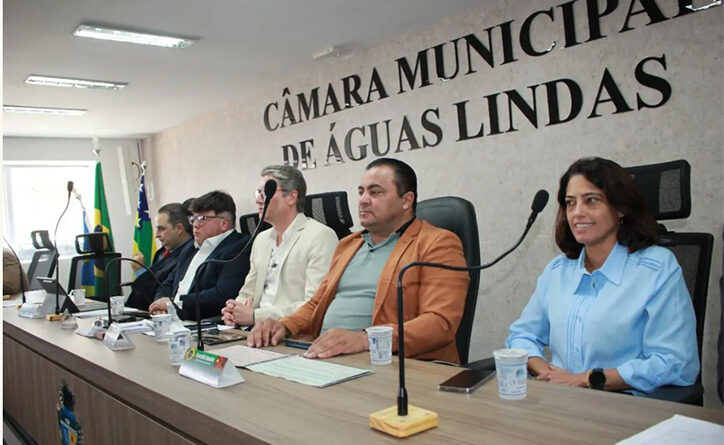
(42, 110)
(76, 83)
(120, 35)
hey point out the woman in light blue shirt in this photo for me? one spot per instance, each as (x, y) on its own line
(614, 308)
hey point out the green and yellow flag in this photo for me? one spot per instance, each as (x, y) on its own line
(101, 223)
(143, 232)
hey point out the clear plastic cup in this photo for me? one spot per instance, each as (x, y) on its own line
(178, 342)
(511, 367)
(380, 340)
(161, 326)
(117, 304)
(78, 296)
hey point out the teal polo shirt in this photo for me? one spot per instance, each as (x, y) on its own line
(354, 301)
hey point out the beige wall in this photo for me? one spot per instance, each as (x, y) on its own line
(500, 173)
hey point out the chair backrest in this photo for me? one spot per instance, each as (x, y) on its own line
(666, 188)
(41, 239)
(248, 223)
(42, 265)
(99, 261)
(331, 209)
(458, 216)
(43, 262)
(693, 251)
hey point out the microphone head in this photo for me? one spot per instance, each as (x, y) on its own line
(539, 201)
(270, 187)
(70, 186)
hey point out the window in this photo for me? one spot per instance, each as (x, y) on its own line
(34, 196)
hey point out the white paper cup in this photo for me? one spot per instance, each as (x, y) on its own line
(117, 304)
(78, 296)
(380, 338)
(178, 343)
(161, 326)
(511, 367)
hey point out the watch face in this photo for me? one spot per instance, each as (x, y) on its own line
(597, 379)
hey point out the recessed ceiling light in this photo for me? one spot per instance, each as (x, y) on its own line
(141, 38)
(76, 83)
(42, 110)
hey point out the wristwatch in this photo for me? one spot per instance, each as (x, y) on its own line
(596, 378)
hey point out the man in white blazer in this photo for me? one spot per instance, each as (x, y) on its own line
(289, 260)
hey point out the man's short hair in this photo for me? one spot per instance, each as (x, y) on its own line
(218, 202)
(405, 177)
(288, 178)
(177, 214)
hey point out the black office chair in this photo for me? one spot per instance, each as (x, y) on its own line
(330, 209)
(43, 262)
(248, 223)
(99, 250)
(667, 190)
(458, 216)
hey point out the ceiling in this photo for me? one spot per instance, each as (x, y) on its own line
(243, 45)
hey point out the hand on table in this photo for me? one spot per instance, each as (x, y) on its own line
(158, 306)
(266, 332)
(238, 313)
(563, 377)
(337, 342)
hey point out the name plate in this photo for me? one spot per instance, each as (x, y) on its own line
(116, 339)
(209, 369)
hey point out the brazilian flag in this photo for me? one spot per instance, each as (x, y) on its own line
(101, 223)
(143, 232)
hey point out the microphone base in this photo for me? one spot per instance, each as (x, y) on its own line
(416, 421)
(54, 317)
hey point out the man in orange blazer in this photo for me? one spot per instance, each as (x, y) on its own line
(360, 289)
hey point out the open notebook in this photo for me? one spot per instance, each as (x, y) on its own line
(291, 367)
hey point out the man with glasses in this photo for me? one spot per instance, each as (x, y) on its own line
(288, 260)
(213, 220)
(360, 288)
(173, 230)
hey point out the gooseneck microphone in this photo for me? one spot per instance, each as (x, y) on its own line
(57, 253)
(539, 203)
(108, 292)
(270, 188)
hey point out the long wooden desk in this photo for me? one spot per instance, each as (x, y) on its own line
(137, 397)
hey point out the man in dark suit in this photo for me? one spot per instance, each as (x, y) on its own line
(213, 221)
(174, 231)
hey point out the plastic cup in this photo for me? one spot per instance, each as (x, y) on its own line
(511, 366)
(380, 338)
(117, 304)
(161, 326)
(178, 342)
(78, 296)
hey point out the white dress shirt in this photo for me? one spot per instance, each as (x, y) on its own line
(206, 248)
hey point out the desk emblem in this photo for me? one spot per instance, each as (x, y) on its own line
(71, 431)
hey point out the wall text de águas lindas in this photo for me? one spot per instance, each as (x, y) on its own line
(546, 103)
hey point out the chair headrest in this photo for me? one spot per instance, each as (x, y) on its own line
(331, 209)
(666, 188)
(41, 239)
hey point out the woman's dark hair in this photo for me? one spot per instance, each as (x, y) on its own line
(638, 227)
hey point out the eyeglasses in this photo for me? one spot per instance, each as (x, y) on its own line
(201, 219)
(260, 193)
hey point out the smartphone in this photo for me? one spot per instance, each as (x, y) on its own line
(466, 381)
